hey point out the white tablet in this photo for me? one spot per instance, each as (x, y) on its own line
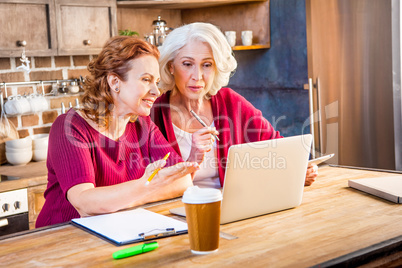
(321, 159)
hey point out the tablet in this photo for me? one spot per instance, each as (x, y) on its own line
(321, 159)
(181, 211)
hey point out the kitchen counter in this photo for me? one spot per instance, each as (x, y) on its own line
(334, 225)
(32, 174)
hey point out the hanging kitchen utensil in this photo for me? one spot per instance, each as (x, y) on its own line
(4, 123)
(7, 130)
(43, 88)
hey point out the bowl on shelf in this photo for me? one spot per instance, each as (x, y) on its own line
(14, 150)
(20, 143)
(40, 141)
(19, 159)
(39, 155)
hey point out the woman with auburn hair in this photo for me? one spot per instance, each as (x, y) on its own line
(196, 63)
(101, 156)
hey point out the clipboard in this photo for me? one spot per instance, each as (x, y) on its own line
(131, 226)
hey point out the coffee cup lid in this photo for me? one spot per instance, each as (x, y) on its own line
(197, 195)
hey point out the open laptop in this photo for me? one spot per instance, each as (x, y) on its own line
(263, 177)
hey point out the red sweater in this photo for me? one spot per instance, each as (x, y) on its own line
(236, 120)
(80, 154)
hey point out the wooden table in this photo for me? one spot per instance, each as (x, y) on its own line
(333, 221)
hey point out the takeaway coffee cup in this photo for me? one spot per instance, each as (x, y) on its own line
(203, 211)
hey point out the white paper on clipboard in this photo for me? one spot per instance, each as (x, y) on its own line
(127, 226)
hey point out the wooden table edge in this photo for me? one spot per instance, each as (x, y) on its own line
(366, 255)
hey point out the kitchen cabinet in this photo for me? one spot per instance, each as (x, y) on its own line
(35, 203)
(235, 15)
(83, 27)
(32, 21)
(56, 27)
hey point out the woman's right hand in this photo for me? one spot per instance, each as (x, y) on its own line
(169, 174)
(168, 183)
(202, 141)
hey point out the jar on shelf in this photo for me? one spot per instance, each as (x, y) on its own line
(63, 89)
(74, 88)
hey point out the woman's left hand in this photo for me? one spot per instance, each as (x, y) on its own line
(177, 171)
(202, 142)
(311, 174)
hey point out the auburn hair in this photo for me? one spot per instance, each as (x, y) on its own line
(115, 58)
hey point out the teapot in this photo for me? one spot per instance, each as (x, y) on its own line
(159, 33)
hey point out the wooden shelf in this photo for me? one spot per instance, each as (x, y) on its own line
(254, 16)
(252, 47)
(180, 4)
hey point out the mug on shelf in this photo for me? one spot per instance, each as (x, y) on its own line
(231, 37)
(247, 38)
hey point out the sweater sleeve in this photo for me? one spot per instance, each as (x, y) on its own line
(248, 122)
(69, 155)
(257, 128)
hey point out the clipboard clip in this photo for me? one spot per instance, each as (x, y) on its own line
(163, 233)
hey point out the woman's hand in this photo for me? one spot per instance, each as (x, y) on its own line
(202, 141)
(168, 183)
(169, 174)
(311, 174)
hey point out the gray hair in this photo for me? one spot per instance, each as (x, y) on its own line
(205, 32)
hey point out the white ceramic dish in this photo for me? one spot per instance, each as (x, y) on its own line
(40, 141)
(40, 136)
(39, 155)
(13, 150)
(19, 143)
(19, 159)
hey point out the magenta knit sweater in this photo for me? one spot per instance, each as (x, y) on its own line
(80, 154)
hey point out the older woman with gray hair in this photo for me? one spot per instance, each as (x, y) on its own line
(196, 63)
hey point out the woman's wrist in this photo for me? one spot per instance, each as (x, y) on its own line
(195, 157)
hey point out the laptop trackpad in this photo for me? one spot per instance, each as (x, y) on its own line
(181, 211)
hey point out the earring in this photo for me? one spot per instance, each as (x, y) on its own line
(117, 90)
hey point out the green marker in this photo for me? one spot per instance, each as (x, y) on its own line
(128, 252)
